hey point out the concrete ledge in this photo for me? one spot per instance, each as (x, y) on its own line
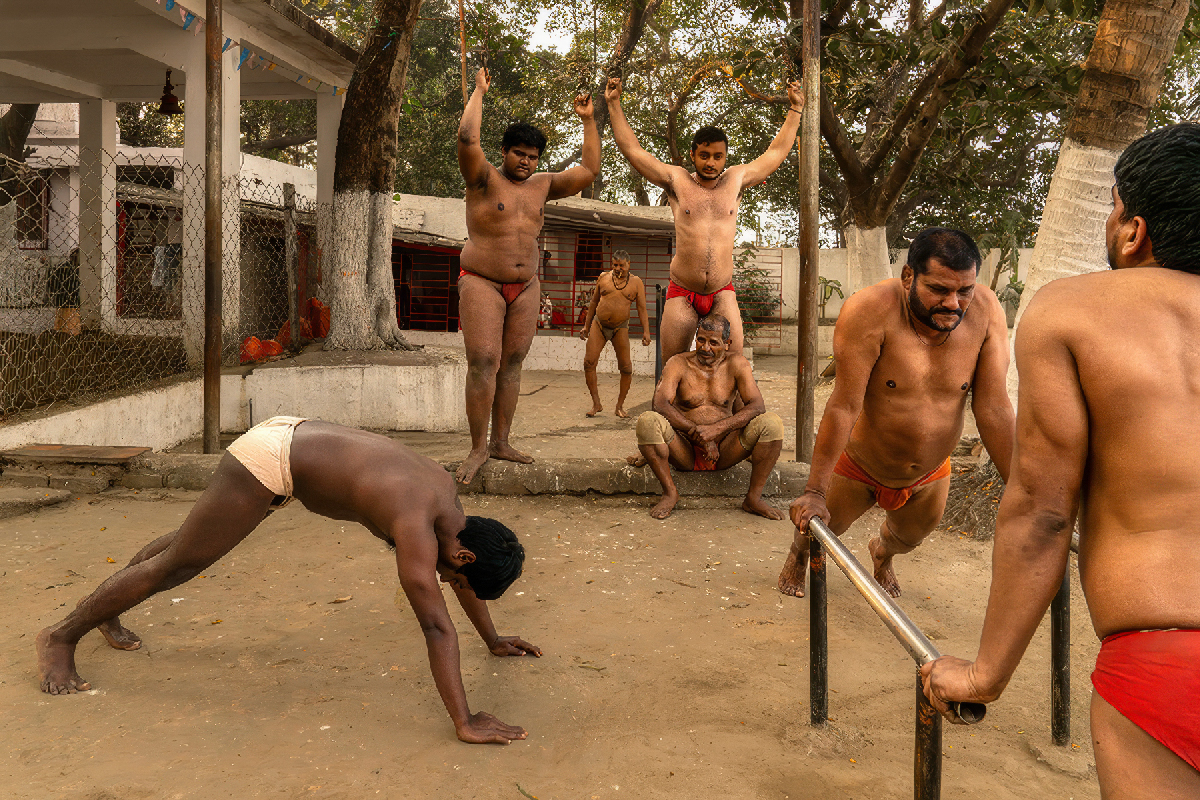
(15, 501)
(614, 476)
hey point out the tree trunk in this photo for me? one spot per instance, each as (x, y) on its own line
(361, 289)
(867, 258)
(1122, 76)
(15, 125)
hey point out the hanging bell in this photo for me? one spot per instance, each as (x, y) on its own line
(169, 104)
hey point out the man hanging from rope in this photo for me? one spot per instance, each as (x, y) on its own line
(705, 205)
(498, 289)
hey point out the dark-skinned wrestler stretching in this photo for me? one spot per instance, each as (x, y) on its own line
(498, 291)
(405, 499)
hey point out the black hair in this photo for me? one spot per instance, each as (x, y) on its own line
(715, 323)
(522, 133)
(709, 134)
(952, 247)
(498, 557)
(1158, 179)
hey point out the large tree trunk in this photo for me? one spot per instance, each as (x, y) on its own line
(15, 125)
(867, 258)
(361, 290)
(1124, 71)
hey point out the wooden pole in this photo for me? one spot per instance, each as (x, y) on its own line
(213, 214)
(462, 49)
(806, 319)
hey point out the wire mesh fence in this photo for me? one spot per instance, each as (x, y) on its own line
(102, 273)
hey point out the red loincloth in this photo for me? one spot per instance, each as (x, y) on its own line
(511, 291)
(703, 303)
(1151, 677)
(889, 499)
(701, 461)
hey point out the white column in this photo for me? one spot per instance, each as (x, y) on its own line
(192, 184)
(329, 119)
(98, 213)
(231, 168)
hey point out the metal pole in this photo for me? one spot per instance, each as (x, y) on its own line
(213, 213)
(906, 632)
(291, 248)
(806, 318)
(818, 635)
(659, 299)
(1060, 662)
(927, 753)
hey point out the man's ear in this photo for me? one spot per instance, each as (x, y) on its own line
(1134, 240)
(464, 555)
(907, 276)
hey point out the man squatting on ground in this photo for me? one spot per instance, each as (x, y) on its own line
(342, 473)
(705, 207)
(498, 290)
(693, 427)
(608, 319)
(1106, 429)
(908, 352)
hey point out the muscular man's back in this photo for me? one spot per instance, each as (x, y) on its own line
(1133, 334)
(705, 229)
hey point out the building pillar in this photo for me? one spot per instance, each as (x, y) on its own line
(98, 214)
(191, 183)
(329, 119)
(231, 224)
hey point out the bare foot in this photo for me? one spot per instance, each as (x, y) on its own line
(759, 506)
(506, 452)
(622, 413)
(118, 636)
(56, 664)
(596, 409)
(883, 568)
(791, 577)
(470, 465)
(636, 460)
(665, 506)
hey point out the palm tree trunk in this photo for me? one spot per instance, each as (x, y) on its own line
(1122, 76)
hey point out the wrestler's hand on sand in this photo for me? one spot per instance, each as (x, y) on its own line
(482, 80)
(612, 90)
(805, 507)
(583, 106)
(513, 646)
(950, 679)
(645, 340)
(482, 728)
(795, 95)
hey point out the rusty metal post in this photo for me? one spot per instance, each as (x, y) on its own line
(213, 213)
(806, 317)
(292, 257)
(818, 635)
(659, 299)
(1060, 662)
(927, 754)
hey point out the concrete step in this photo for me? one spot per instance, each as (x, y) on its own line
(18, 500)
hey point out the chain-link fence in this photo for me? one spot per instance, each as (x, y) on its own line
(102, 273)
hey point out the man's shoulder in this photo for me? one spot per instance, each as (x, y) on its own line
(869, 305)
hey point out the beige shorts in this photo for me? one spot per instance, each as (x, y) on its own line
(653, 428)
(266, 450)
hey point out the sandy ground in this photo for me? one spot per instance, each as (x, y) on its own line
(672, 667)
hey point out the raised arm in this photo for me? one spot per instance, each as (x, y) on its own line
(989, 390)
(472, 162)
(647, 165)
(760, 168)
(1037, 512)
(575, 179)
(857, 340)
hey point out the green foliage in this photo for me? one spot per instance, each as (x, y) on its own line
(758, 296)
(826, 289)
(142, 126)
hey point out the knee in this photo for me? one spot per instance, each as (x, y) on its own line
(590, 363)
(512, 362)
(625, 369)
(483, 364)
(649, 428)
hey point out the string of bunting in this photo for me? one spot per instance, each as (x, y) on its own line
(193, 22)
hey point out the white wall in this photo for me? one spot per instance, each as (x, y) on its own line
(554, 352)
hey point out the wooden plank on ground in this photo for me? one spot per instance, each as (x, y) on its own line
(73, 453)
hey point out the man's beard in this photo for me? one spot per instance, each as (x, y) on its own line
(926, 315)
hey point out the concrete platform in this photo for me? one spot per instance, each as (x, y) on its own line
(18, 500)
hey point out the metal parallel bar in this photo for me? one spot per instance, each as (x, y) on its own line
(818, 635)
(213, 233)
(927, 752)
(1060, 662)
(906, 632)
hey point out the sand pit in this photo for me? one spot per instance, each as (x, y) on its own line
(672, 667)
